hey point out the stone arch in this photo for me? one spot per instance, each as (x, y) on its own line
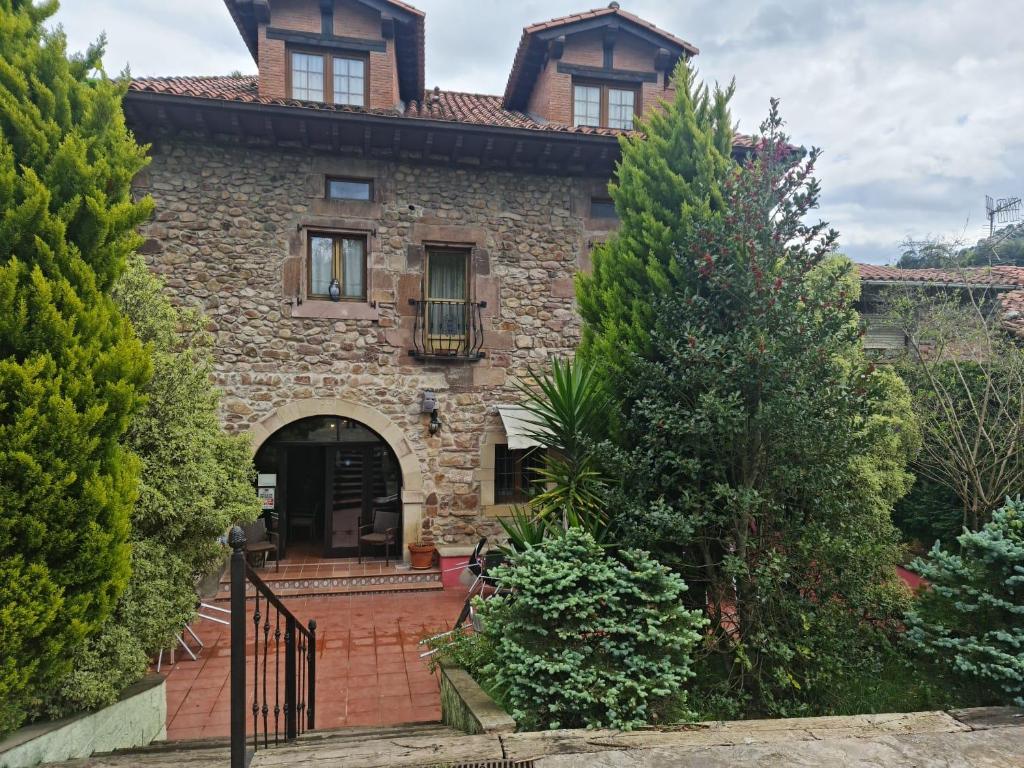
(412, 475)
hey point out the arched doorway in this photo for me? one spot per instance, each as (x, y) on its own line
(331, 474)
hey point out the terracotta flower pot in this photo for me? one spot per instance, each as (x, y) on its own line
(421, 556)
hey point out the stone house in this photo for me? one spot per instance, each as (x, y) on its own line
(997, 289)
(381, 263)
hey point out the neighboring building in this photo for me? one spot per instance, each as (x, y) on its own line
(999, 288)
(366, 249)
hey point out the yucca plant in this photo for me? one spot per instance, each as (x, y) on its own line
(567, 412)
(524, 529)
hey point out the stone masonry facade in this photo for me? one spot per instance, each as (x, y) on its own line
(229, 237)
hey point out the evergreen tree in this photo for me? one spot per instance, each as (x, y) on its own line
(196, 482)
(760, 454)
(665, 185)
(971, 618)
(70, 366)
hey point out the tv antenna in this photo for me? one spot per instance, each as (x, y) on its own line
(1005, 210)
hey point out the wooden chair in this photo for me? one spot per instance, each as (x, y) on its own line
(383, 531)
(260, 542)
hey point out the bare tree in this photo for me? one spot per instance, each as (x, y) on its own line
(967, 375)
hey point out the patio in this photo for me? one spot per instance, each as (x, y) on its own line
(369, 672)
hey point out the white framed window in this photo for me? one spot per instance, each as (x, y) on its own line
(621, 108)
(349, 81)
(307, 76)
(587, 105)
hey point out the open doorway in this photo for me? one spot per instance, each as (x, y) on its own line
(329, 477)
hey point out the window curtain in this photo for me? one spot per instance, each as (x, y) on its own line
(321, 265)
(353, 259)
(447, 292)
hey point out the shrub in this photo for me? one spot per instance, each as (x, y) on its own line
(586, 639)
(196, 481)
(70, 367)
(971, 620)
(760, 453)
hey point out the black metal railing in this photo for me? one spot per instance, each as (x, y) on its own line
(286, 707)
(448, 329)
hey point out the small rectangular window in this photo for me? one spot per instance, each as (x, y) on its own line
(602, 208)
(587, 105)
(340, 258)
(349, 81)
(307, 77)
(516, 474)
(349, 189)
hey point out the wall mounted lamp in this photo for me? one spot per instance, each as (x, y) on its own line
(429, 405)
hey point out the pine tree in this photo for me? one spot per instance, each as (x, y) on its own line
(971, 617)
(665, 183)
(759, 453)
(70, 366)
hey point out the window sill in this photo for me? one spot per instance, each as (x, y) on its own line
(335, 310)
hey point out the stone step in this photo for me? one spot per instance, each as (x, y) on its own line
(398, 581)
(215, 753)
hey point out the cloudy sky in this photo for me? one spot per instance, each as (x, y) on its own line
(917, 104)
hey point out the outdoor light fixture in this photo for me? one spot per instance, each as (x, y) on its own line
(334, 290)
(429, 404)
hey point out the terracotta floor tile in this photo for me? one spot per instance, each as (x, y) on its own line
(184, 734)
(359, 706)
(378, 680)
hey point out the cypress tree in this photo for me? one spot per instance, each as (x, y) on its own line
(668, 179)
(70, 366)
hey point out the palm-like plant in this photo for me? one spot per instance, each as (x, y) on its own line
(567, 413)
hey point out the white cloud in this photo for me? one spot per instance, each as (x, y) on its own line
(916, 102)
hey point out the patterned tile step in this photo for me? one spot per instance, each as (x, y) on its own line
(345, 585)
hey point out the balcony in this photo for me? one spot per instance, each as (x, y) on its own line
(448, 330)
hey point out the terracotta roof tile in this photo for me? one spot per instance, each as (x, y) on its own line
(524, 65)
(1000, 275)
(572, 18)
(451, 106)
(1011, 301)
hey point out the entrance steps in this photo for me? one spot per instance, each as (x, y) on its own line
(341, 578)
(215, 753)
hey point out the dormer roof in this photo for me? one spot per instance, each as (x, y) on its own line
(408, 31)
(536, 38)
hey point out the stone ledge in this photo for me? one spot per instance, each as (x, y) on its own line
(466, 706)
(454, 550)
(137, 718)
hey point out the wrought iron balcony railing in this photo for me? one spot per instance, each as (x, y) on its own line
(448, 329)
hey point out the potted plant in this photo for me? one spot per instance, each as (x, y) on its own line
(421, 555)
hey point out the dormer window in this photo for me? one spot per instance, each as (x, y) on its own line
(328, 78)
(349, 81)
(605, 106)
(307, 77)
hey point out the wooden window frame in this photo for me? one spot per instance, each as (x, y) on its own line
(519, 494)
(429, 251)
(337, 264)
(328, 59)
(606, 86)
(350, 179)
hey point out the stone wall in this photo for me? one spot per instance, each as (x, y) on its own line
(229, 236)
